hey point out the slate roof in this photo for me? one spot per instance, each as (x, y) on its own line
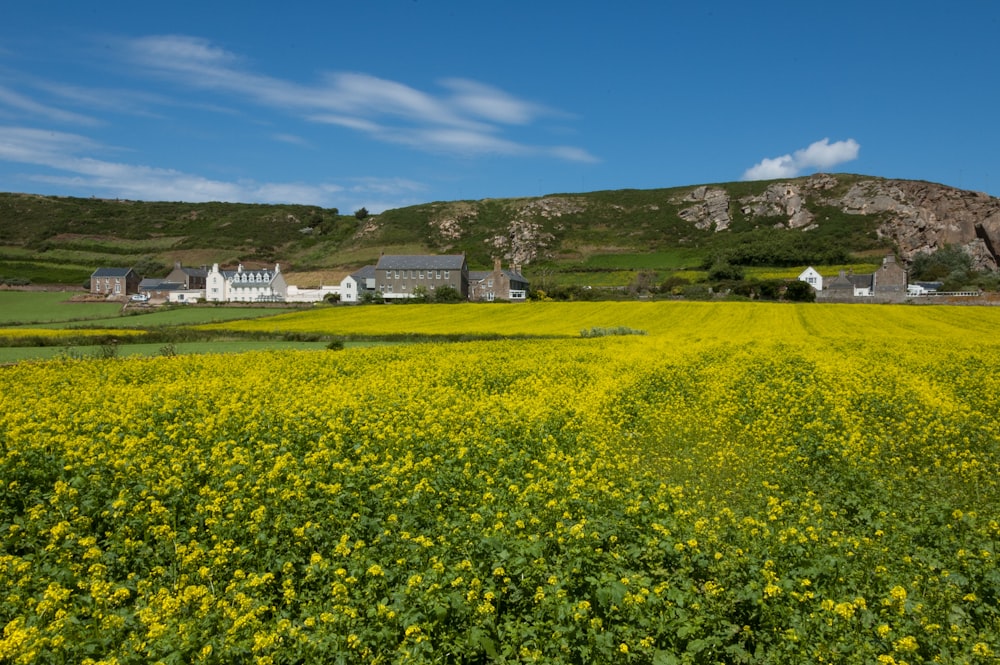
(150, 284)
(111, 272)
(420, 262)
(862, 281)
(368, 272)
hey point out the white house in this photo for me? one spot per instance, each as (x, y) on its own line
(242, 285)
(812, 278)
(353, 287)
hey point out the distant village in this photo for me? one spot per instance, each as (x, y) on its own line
(890, 283)
(411, 276)
(394, 277)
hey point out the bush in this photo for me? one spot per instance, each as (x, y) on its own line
(722, 270)
(447, 294)
(799, 291)
(697, 292)
(606, 332)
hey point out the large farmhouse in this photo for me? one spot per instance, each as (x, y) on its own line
(403, 276)
(244, 285)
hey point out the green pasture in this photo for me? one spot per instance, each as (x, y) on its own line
(46, 307)
(184, 315)
(18, 354)
(42, 272)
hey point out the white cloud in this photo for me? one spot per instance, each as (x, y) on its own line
(819, 155)
(64, 154)
(468, 117)
(491, 103)
(35, 109)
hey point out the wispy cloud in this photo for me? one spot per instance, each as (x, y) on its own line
(68, 155)
(26, 105)
(465, 116)
(819, 155)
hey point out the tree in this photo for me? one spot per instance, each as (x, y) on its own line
(361, 213)
(643, 282)
(723, 270)
(447, 294)
(949, 264)
(799, 291)
(673, 285)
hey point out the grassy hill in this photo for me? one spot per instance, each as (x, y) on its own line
(602, 237)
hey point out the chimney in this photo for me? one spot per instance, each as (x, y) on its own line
(496, 265)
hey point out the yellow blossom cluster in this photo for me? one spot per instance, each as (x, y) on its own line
(723, 489)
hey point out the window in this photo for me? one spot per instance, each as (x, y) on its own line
(421, 274)
(446, 274)
(438, 275)
(489, 283)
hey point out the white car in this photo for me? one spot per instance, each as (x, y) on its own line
(140, 297)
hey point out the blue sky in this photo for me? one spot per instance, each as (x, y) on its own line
(388, 103)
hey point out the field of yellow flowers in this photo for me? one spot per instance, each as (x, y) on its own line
(742, 484)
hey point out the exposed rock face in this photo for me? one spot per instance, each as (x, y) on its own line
(923, 217)
(785, 200)
(712, 209)
(522, 243)
(918, 216)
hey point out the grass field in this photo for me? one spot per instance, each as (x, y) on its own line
(27, 307)
(45, 308)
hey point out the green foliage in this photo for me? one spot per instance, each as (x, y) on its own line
(722, 270)
(598, 239)
(673, 285)
(949, 264)
(149, 266)
(697, 292)
(798, 291)
(775, 247)
(447, 294)
(606, 332)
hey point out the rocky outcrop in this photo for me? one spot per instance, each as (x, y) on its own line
(916, 216)
(786, 200)
(922, 217)
(711, 209)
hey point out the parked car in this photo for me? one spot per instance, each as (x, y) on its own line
(140, 297)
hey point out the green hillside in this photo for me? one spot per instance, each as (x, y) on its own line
(607, 236)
